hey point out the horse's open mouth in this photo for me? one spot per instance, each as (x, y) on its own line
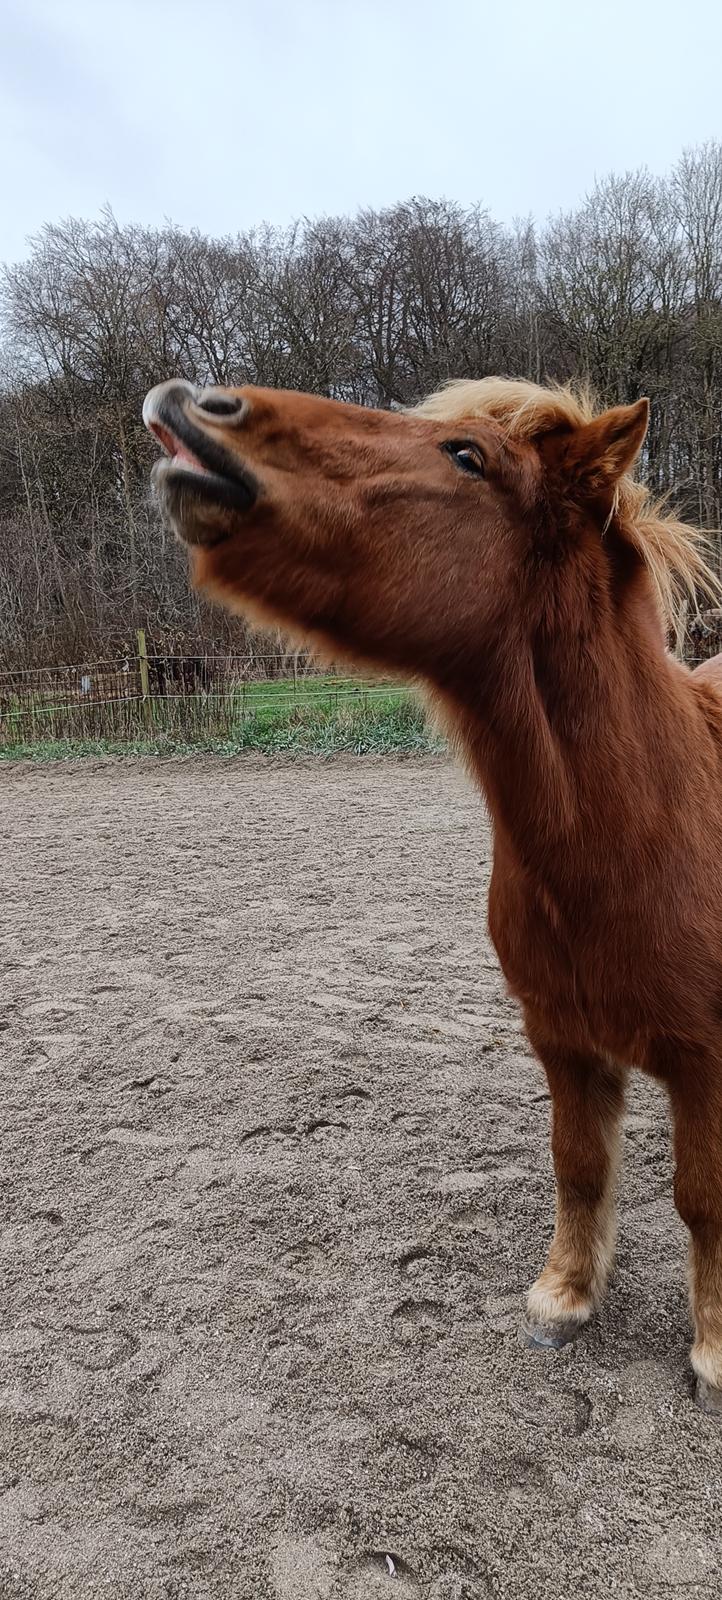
(195, 470)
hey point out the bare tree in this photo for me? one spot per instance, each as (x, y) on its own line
(625, 291)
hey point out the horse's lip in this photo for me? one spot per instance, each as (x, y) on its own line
(184, 490)
(195, 463)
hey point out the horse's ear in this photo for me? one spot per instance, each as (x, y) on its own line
(597, 453)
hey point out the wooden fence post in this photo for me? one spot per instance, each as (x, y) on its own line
(144, 680)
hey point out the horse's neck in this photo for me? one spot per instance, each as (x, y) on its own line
(566, 742)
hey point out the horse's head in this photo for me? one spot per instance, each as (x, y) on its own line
(407, 538)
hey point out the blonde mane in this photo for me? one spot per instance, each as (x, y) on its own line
(676, 555)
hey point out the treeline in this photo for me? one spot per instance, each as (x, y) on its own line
(625, 291)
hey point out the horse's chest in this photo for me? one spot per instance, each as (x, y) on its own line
(600, 978)
(563, 972)
(532, 947)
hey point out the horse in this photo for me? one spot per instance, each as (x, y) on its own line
(170, 675)
(493, 545)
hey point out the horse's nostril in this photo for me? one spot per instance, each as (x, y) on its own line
(220, 405)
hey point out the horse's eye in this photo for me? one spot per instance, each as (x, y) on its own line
(467, 456)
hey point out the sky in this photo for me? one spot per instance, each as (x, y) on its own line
(222, 114)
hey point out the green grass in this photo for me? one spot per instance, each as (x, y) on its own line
(316, 716)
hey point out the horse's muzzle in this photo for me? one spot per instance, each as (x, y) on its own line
(197, 469)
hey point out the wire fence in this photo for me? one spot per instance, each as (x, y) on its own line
(166, 695)
(176, 696)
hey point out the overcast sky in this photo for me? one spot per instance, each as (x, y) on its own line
(222, 113)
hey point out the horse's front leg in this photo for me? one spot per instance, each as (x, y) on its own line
(587, 1094)
(697, 1105)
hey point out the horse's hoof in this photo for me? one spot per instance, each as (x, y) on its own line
(549, 1335)
(709, 1398)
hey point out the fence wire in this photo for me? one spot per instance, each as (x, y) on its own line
(175, 695)
(194, 697)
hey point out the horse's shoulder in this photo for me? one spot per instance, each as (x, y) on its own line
(706, 681)
(710, 672)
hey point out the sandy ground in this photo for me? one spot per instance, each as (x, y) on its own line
(275, 1176)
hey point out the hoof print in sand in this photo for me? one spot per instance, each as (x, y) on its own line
(100, 1349)
(354, 1102)
(327, 1134)
(474, 1218)
(413, 1260)
(566, 1411)
(420, 1322)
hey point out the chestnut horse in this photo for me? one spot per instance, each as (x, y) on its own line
(492, 545)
